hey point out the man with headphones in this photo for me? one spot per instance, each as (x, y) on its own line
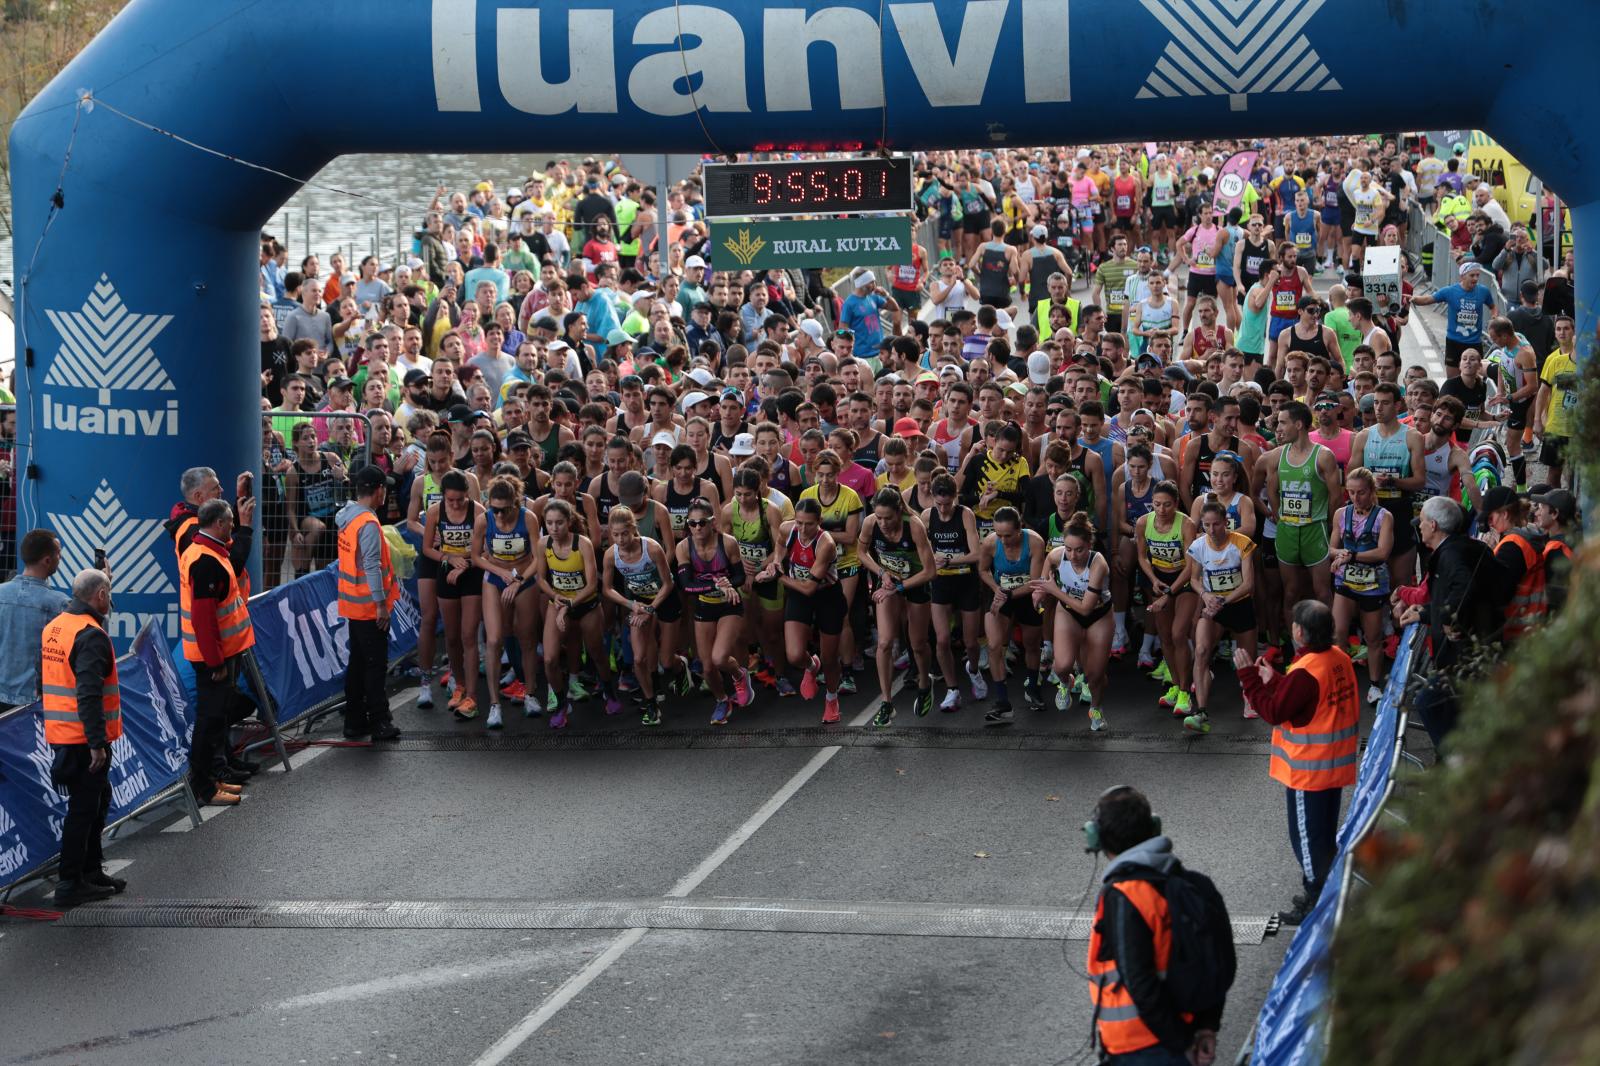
(1315, 713)
(1153, 1006)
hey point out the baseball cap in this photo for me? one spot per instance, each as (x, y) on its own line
(517, 441)
(1039, 368)
(415, 377)
(371, 477)
(743, 444)
(1498, 499)
(693, 398)
(1039, 233)
(701, 376)
(693, 261)
(907, 427)
(731, 393)
(813, 329)
(459, 413)
(926, 375)
(619, 336)
(1147, 359)
(664, 437)
(845, 331)
(341, 382)
(1178, 372)
(950, 370)
(1562, 502)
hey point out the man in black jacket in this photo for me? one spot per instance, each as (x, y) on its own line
(1135, 1016)
(1466, 607)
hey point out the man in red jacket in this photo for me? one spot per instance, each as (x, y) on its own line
(1316, 717)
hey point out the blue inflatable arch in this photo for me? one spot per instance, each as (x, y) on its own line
(139, 307)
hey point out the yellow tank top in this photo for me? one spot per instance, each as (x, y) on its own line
(566, 574)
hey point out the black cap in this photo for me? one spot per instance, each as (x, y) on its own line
(341, 382)
(415, 377)
(1562, 502)
(1498, 499)
(546, 322)
(369, 477)
(459, 413)
(518, 440)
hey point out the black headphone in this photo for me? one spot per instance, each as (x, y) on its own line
(1091, 828)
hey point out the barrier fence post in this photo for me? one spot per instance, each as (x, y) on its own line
(266, 710)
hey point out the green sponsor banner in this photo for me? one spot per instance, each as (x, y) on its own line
(815, 243)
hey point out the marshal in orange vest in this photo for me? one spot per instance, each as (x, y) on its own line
(1324, 754)
(233, 613)
(1117, 1018)
(61, 722)
(355, 595)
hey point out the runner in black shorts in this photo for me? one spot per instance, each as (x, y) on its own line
(813, 604)
(953, 533)
(1012, 557)
(893, 547)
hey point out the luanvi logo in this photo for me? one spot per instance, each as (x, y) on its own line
(1235, 48)
(130, 545)
(106, 348)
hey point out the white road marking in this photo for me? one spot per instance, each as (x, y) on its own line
(113, 867)
(570, 989)
(183, 825)
(299, 759)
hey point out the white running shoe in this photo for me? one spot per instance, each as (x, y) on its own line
(1374, 693)
(494, 721)
(980, 687)
(952, 700)
(983, 657)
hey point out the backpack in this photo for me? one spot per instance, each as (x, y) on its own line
(1202, 966)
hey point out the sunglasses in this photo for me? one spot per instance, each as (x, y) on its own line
(696, 523)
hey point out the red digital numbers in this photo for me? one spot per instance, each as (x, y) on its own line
(852, 184)
(794, 187)
(762, 183)
(819, 186)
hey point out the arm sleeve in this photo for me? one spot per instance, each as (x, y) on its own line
(1132, 946)
(91, 664)
(1291, 699)
(369, 542)
(689, 581)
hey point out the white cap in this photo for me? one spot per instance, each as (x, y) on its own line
(948, 369)
(414, 263)
(701, 376)
(1038, 368)
(664, 436)
(693, 398)
(1039, 233)
(812, 328)
(743, 444)
(1083, 153)
(1002, 318)
(693, 261)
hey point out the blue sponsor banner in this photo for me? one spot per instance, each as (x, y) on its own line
(301, 644)
(1289, 1029)
(151, 756)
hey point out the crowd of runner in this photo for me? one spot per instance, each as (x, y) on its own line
(1092, 422)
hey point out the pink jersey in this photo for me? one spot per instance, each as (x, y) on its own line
(1338, 444)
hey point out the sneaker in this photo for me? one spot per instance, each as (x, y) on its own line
(467, 709)
(1063, 697)
(951, 701)
(1119, 649)
(1199, 722)
(613, 704)
(1097, 720)
(980, 687)
(559, 719)
(1298, 913)
(902, 662)
(1147, 662)
(885, 714)
(514, 691)
(847, 684)
(858, 664)
(550, 700)
(1162, 673)
(626, 682)
(742, 689)
(494, 721)
(1030, 694)
(1184, 705)
(786, 688)
(455, 700)
(999, 714)
(1170, 697)
(1081, 688)
(719, 713)
(508, 678)
(576, 692)
(425, 695)
(1374, 693)
(1358, 653)
(1249, 711)
(924, 702)
(651, 715)
(1047, 656)
(808, 680)
(830, 710)
(765, 676)
(531, 707)
(1224, 651)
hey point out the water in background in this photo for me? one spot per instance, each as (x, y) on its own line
(359, 227)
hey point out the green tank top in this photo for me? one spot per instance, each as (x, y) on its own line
(627, 210)
(1302, 496)
(431, 492)
(1166, 549)
(755, 540)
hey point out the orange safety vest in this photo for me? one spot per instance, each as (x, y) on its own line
(1528, 604)
(233, 613)
(355, 595)
(61, 722)
(188, 525)
(1323, 755)
(1117, 1018)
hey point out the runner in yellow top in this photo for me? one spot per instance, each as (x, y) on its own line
(841, 519)
(1558, 399)
(1222, 567)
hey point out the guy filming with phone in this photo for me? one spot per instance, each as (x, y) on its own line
(1154, 1006)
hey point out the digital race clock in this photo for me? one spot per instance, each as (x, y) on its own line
(815, 187)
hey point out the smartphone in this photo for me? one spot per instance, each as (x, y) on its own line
(100, 559)
(249, 488)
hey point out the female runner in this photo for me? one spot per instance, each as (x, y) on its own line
(1363, 538)
(707, 572)
(894, 549)
(570, 581)
(426, 491)
(638, 580)
(1010, 558)
(754, 522)
(813, 604)
(1229, 488)
(1131, 500)
(1163, 537)
(447, 540)
(953, 534)
(502, 548)
(842, 518)
(1079, 578)
(1221, 564)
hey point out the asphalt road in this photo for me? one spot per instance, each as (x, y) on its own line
(772, 823)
